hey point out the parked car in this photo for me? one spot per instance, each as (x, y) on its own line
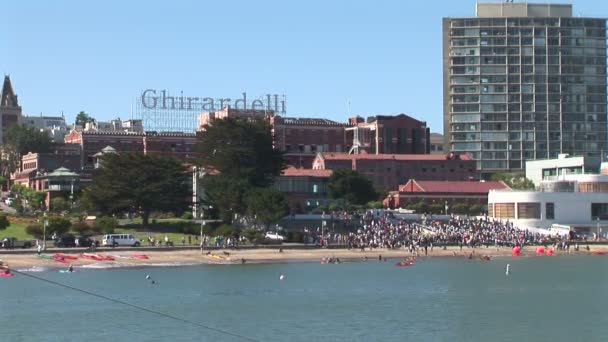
(65, 241)
(115, 240)
(86, 241)
(11, 242)
(274, 236)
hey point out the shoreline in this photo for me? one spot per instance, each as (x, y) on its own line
(170, 258)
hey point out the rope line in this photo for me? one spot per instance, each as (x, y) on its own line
(142, 308)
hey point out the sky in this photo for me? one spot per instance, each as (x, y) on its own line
(382, 57)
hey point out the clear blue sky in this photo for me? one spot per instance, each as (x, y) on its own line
(385, 56)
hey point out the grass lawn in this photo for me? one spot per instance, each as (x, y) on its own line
(173, 228)
(16, 230)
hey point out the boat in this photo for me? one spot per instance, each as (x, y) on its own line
(140, 256)
(406, 262)
(6, 275)
(66, 271)
(66, 256)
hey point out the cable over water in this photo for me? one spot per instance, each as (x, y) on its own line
(138, 307)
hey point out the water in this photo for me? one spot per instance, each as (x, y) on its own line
(543, 299)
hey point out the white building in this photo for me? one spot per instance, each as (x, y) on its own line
(537, 170)
(579, 201)
(55, 126)
(115, 125)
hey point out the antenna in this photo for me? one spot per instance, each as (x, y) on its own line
(348, 106)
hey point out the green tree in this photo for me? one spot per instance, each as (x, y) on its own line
(241, 149)
(139, 183)
(4, 222)
(3, 183)
(350, 186)
(81, 228)
(82, 118)
(224, 230)
(106, 224)
(58, 225)
(515, 181)
(267, 205)
(20, 140)
(35, 230)
(59, 204)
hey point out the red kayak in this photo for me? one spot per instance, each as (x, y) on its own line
(97, 257)
(66, 256)
(6, 275)
(405, 263)
(140, 256)
(600, 253)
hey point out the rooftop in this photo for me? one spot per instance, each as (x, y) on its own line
(456, 186)
(414, 157)
(294, 172)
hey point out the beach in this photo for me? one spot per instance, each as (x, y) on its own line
(160, 257)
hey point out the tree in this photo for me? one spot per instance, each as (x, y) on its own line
(82, 118)
(20, 140)
(59, 204)
(35, 230)
(4, 222)
(140, 183)
(226, 195)
(58, 225)
(350, 186)
(241, 149)
(106, 224)
(515, 181)
(267, 205)
(81, 228)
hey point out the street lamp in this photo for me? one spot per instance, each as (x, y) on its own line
(598, 228)
(203, 223)
(45, 223)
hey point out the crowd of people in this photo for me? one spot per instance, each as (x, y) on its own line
(377, 229)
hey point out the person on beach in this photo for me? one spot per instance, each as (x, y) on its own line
(39, 249)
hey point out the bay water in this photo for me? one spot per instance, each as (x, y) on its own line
(439, 299)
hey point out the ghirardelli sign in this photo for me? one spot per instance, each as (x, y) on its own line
(160, 99)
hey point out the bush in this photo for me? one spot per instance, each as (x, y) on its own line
(374, 205)
(4, 223)
(58, 225)
(224, 230)
(190, 229)
(187, 215)
(36, 230)
(106, 224)
(81, 228)
(59, 204)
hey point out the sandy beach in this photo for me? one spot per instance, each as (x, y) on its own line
(130, 258)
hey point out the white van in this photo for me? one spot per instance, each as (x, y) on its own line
(120, 240)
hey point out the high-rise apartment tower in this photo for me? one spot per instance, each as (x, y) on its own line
(524, 81)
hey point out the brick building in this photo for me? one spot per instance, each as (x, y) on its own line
(387, 171)
(443, 192)
(302, 138)
(383, 134)
(207, 118)
(177, 145)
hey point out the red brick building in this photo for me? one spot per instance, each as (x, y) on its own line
(302, 138)
(443, 192)
(177, 145)
(383, 134)
(387, 171)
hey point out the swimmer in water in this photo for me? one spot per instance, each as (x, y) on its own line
(70, 268)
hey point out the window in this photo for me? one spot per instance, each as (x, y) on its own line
(550, 210)
(504, 210)
(599, 211)
(528, 210)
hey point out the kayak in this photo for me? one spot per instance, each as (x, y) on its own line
(6, 275)
(66, 256)
(97, 257)
(66, 271)
(140, 256)
(406, 263)
(45, 256)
